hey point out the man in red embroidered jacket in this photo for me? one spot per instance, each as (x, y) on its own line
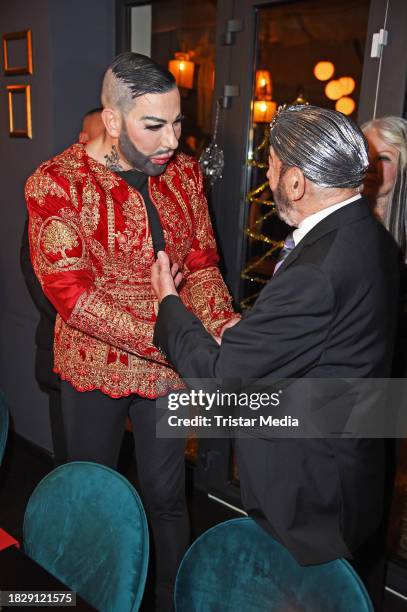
(97, 216)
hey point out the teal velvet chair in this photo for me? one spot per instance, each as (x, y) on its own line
(237, 567)
(4, 424)
(86, 525)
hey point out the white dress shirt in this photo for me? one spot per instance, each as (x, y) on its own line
(308, 223)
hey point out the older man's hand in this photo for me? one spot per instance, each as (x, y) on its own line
(165, 278)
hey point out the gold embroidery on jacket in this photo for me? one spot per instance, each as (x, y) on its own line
(111, 234)
(96, 313)
(56, 237)
(40, 185)
(95, 348)
(107, 179)
(173, 224)
(70, 167)
(136, 237)
(205, 293)
(89, 214)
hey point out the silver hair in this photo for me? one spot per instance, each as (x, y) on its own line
(393, 130)
(328, 147)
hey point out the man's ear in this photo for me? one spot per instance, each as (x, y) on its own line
(112, 120)
(83, 137)
(294, 184)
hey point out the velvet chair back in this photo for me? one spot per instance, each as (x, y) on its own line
(86, 525)
(237, 567)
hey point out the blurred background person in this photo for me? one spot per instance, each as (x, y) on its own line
(386, 180)
(92, 125)
(385, 187)
(46, 378)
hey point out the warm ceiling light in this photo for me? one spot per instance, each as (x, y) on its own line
(264, 88)
(264, 111)
(333, 90)
(324, 71)
(183, 70)
(345, 105)
(348, 85)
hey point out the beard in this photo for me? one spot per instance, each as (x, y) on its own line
(138, 160)
(284, 206)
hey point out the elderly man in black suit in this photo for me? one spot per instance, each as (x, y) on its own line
(328, 312)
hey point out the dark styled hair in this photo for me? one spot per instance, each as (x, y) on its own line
(132, 75)
(141, 74)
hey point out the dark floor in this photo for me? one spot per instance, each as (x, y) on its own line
(23, 467)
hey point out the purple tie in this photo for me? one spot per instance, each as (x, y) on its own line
(288, 246)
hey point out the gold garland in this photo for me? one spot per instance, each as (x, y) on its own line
(252, 198)
(251, 231)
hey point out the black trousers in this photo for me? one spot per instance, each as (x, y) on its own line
(94, 426)
(50, 383)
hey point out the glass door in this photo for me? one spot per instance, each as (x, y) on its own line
(270, 52)
(305, 52)
(291, 38)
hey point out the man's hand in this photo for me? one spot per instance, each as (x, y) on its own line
(165, 279)
(231, 323)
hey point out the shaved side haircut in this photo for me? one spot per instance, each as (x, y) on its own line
(130, 76)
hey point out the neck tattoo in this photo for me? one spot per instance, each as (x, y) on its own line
(113, 160)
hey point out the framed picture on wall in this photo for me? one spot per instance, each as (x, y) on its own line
(17, 53)
(19, 111)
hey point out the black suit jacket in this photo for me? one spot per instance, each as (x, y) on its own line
(44, 336)
(329, 311)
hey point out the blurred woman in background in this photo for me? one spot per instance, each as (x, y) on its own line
(385, 187)
(386, 180)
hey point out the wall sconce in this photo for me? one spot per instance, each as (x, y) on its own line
(324, 71)
(183, 70)
(264, 88)
(264, 111)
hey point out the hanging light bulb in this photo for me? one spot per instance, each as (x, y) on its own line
(324, 71)
(348, 85)
(333, 90)
(345, 105)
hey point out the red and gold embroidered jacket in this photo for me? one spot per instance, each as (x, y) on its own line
(92, 251)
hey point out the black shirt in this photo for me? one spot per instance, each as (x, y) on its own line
(139, 181)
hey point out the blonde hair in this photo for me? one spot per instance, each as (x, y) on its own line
(393, 130)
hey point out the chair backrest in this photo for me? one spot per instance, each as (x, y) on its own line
(4, 423)
(86, 525)
(237, 566)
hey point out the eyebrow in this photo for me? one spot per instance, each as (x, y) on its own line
(389, 151)
(158, 119)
